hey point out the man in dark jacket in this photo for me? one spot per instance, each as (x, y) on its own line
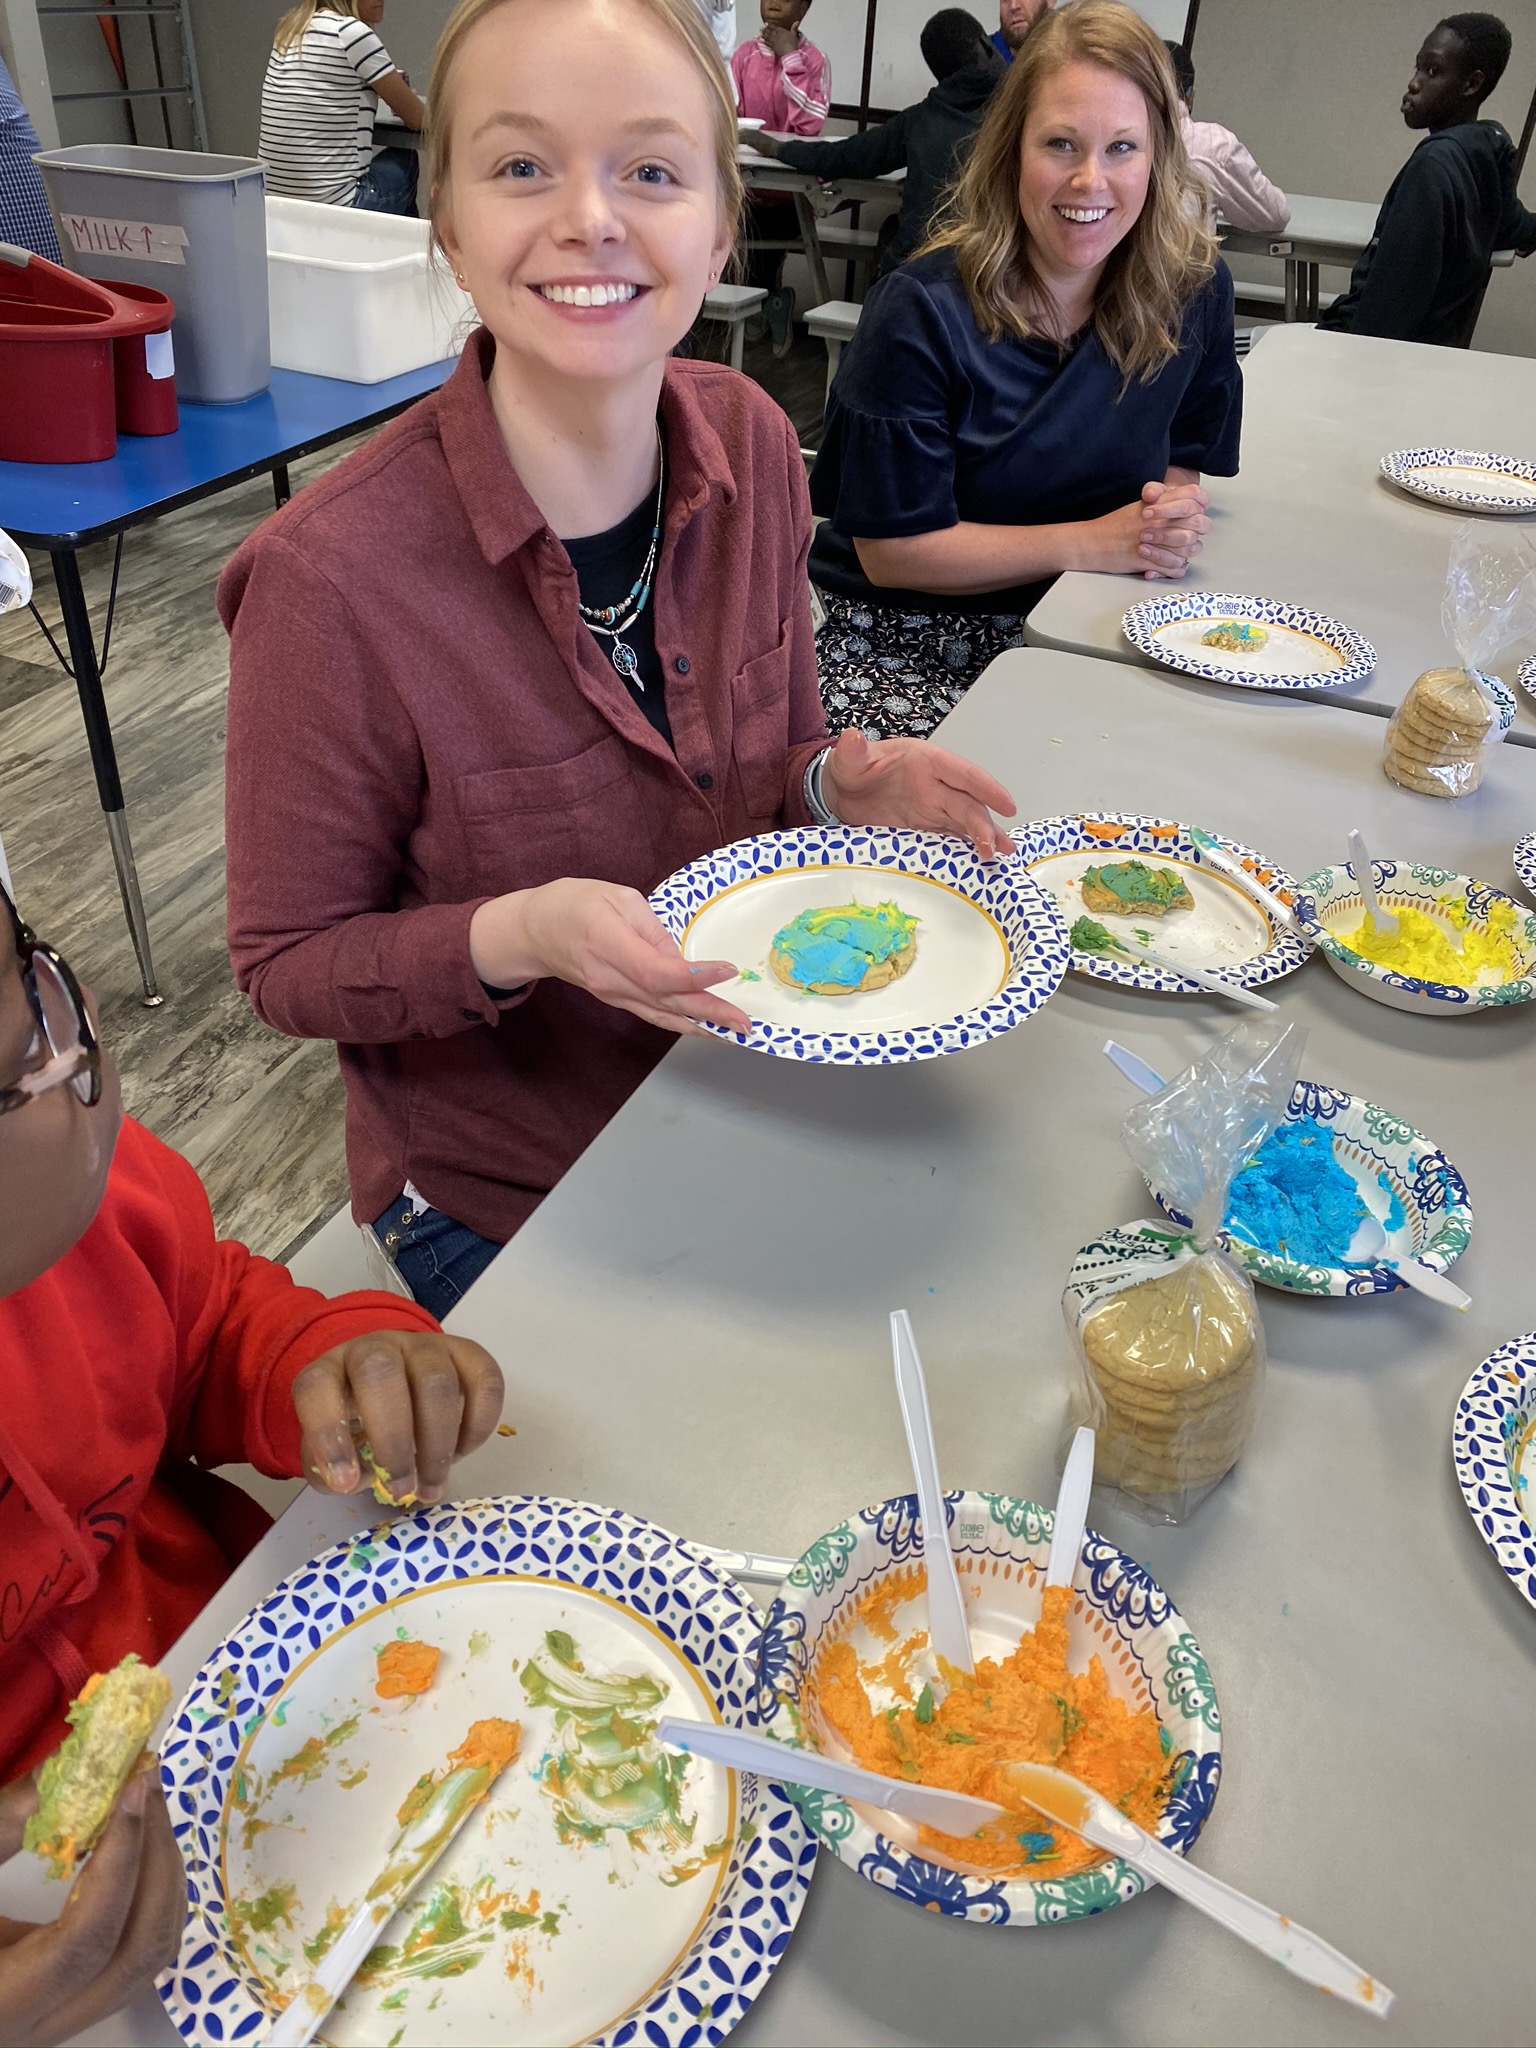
(1453, 203)
(928, 140)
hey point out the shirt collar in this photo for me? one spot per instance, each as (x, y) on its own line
(502, 515)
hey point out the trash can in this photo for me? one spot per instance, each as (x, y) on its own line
(185, 223)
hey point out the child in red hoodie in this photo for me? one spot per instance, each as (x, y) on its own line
(137, 1352)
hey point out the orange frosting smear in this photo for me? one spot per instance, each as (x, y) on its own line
(1028, 1708)
(406, 1668)
(494, 1744)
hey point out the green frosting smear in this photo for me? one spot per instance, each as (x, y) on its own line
(838, 945)
(605, 1768)
(1133, 882)
(1089, 936)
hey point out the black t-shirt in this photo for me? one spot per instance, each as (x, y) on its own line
(606, 566)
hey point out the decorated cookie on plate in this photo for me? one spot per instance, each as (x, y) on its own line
(1254, 642)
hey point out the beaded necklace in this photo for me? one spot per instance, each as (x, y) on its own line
(611, 620)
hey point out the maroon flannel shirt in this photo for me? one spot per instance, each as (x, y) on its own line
(419, 721)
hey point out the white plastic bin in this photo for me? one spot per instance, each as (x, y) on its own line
(187, 223)
(358, 295)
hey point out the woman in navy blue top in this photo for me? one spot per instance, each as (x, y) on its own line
(1041, 390)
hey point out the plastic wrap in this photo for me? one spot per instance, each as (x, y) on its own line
(1437, 738)
(1166, 1333)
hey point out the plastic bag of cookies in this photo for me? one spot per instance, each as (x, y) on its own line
(1438, 736)
(1169, 1346)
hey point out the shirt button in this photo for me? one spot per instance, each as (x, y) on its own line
(470, 1016)
(682, 664)
(705, 781)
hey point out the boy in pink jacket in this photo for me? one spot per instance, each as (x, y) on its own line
(1239, 190)
(785, 82)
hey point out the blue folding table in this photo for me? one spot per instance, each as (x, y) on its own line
(63, 506)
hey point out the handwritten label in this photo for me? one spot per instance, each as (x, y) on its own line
(146, 241)
(159, 356)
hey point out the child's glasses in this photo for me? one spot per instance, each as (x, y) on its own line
(64, 1031)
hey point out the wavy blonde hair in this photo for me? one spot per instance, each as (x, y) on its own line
(290, 30)
(682, 19)
(1165, 258)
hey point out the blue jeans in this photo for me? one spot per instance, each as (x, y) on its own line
(389, 183)
(438, 1259)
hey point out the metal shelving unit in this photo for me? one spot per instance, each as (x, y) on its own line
(167, 92)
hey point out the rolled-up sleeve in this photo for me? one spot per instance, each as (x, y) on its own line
(316, 849)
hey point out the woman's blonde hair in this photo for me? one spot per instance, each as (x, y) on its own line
(1165, 258)
(290, 30)
(681, 19)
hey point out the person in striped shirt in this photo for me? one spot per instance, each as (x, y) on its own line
(325, 78)
(785, 82)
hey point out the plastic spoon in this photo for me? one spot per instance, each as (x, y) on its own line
(952, 1813)
(1071, 1804)
(1370, 1241)
(1202, 977)
(947, 1632)
(1365, 881)
(1071, 1511)
(1216, 856)
(1135, 1069)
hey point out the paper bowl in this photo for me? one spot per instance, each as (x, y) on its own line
(1001, 1548)
(1330, 903)
(1371, 1145)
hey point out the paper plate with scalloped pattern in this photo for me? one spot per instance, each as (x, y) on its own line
(990, 944)
(1464, 478)
(599, 1896)
(1302, 649)
(1525, 863)
(1493, 1440)
(1001, 1547)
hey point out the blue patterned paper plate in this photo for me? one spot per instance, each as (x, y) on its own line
(991, 946)
(1525, 675)
(1525, 863)
(1330, 901)
(555, 1918)
(1001, 1547)
(1464, 478)
(1227, 930)
(1493, 1440)
(1373, 1147)
(1305, 650)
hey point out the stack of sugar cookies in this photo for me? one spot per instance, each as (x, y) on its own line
(1176, 1363)
(1436, 737)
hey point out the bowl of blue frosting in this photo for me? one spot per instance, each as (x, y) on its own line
(1303, 1209)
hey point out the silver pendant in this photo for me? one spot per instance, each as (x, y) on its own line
(627, 662)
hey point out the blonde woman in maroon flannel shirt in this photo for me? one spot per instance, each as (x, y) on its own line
(540, 642)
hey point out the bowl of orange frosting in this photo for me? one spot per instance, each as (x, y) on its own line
(1103, 1679)
(1460, 946)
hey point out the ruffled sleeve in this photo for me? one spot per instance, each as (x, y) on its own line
(887, 461)
(1207, 428)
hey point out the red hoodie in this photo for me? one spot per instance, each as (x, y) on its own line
(149, 1346)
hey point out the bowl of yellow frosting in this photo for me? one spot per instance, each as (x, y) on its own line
(1460, 945)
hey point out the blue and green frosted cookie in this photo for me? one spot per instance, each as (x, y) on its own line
(844, 950)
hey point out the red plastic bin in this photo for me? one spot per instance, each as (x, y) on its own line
(58, 397)
(144, 368)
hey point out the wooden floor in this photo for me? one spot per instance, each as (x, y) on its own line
(260, 1116)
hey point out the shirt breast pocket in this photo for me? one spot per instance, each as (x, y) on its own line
(760, 729)
(527, 826)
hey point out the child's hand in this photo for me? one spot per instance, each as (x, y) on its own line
(421, 1400)
(120, 1927)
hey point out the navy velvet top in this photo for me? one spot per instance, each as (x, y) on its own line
(929, 423)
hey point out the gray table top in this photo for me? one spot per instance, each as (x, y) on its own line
(694, 1327)
(1319, 231)
(1311, 521)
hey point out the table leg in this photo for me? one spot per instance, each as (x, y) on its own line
(98, 733)
(738, 342)
(811, 242)
(1290, 287)
(282, 490)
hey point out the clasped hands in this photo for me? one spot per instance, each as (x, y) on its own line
(1158, 536)
(606, 939)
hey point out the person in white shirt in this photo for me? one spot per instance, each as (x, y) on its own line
(1240, 193)
(721, 16)
(325, 78)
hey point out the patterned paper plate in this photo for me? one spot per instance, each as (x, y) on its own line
(1227, 929)
(1525, 675)
(1406, 1182)
(1002, 1545)
(991, 946)
(1525, 863)
(1493, 1440)
(1465, 478)
(1303, 650)
(1330, 903)
(574, 1911)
